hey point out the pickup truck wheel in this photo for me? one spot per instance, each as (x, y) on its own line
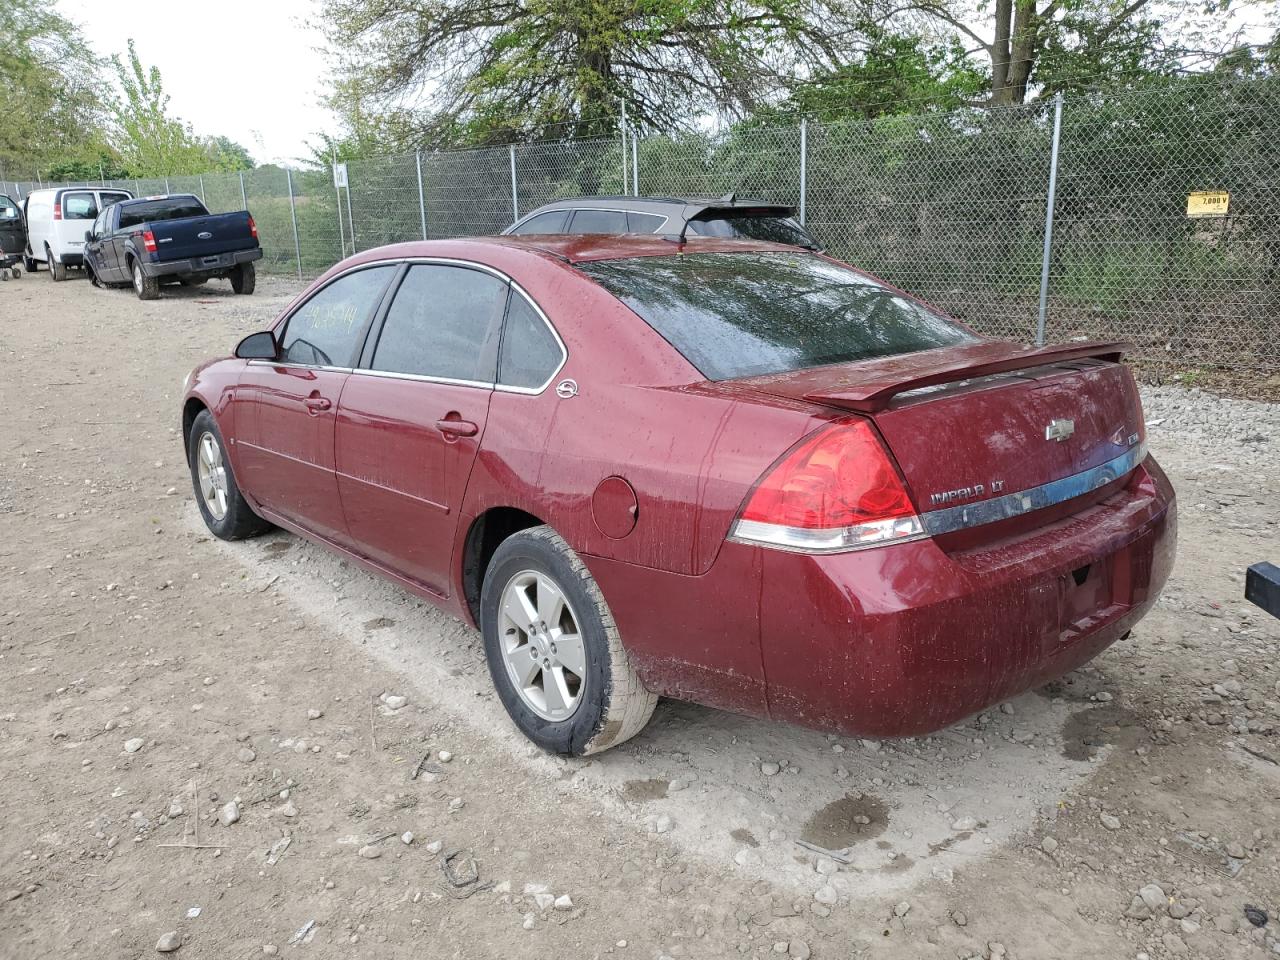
(147, 288)
(225, 511)
(57, 271)
(243, 278)
(554, 652)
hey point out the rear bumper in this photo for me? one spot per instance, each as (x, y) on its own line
(213, 264)
(905, 640)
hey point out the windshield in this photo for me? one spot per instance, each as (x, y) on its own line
(741, 314)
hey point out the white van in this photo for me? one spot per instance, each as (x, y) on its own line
(57, 221)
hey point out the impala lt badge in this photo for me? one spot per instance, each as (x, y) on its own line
(1060, 430)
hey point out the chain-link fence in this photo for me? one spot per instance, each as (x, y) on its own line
(953, 206)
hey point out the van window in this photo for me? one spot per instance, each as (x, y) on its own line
(79, 206)
(106, 199)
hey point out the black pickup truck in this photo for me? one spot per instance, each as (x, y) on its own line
(155, 240)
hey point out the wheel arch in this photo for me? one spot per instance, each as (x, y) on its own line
(190, 410)
(484, 535)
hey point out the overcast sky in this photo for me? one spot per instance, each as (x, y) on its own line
(236, 68)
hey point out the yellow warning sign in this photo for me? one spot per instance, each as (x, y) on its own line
(1208, 203)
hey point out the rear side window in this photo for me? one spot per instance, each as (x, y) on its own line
(151, 211)
(598, 221)
(530, 354)
(78, 206)
(644, 222)
(741, 314)
(439, 323)
(550, 222)
(324, 330)
(107, 199)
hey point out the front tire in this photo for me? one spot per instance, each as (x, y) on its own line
(244, 278)
(225, 511)
(147, 288)
(554, 652)
(57, 271)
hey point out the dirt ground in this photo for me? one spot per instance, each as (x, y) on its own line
(150, 676)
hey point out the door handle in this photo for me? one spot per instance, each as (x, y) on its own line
(317, 404)
(457, 428)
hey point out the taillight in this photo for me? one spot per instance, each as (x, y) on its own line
(835, 490)
(253, 228)
(149, 241)
(57, 210)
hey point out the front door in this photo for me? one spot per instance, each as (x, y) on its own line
(411, 419)
(285, 409)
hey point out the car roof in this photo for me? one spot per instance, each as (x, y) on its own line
(659, 205)
(578, 248)
(162, 196)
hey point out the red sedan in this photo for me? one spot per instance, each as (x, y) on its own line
(725, 471)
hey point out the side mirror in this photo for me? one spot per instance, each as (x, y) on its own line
(89, 237)
(257, 346)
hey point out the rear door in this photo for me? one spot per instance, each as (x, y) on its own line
(285, 409)
(79, 208)
(412, 417)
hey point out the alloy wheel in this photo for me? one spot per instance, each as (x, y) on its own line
(212, 474)
(542, 645)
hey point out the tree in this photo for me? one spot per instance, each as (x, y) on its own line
(492, 70)
(152, 143)
(228, 155)
(49, 82)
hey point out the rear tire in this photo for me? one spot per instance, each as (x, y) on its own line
(225, 511)
(147, 288)
(244, 278)
(536, 569)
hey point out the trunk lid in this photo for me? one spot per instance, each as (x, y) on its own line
(978, 423)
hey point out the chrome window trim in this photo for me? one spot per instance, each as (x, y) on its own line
(965, 515)
(394, 375)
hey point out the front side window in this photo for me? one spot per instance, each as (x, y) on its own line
(440, 322)
(550, 222)
(8, 209)
(742, 314)
(324, 331)
(78, 206)
(100, 225)
(598, 221)
(530, 353)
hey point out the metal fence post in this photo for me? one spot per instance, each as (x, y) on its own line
(137, 188)
(635, 164)
(244, 199)
(422, 198)
(622, 130)
(351, 218)
(166, 185)
(202, 199)
(804, 166)
(1048, 220)
(515, 195)
(293, 215)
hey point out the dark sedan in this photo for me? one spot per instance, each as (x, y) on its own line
(726, 471)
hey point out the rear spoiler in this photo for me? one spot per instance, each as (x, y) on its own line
(881, 380)
(727, 206)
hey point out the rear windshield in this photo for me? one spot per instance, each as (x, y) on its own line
(774, 229)
(149, 211)
(741, 314)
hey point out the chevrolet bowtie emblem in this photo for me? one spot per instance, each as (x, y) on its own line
(1059, 430)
